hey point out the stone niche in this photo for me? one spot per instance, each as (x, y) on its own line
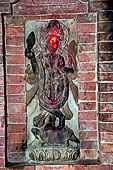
(51, 91)
(51, 59)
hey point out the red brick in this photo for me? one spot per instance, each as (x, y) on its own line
(1, 90)
(2, 151)
(16, 138)
(106, 117)
(89, 57)
(14, 20)
(87, 86)
(16, 157)
(106, 127)
(88, 145)
(14, 59)
(87, 115)
(14, 50)
(105, 76)
(87, 48)
(86, 38)
(106, 148)
(86, 18)
(106, 16)
(89, 154)
(80, 167)
(99, 6)
(106, 107)
(15, 147)
(87, 106)
(14, 31)
(86, 28)
(17, 118)
(1, 99)
(105, 36)
(105, 27)
(1, 39)
(99, 167)
(15, 79)
(30, 10)
(88, 135)
(2, 162)
(5, 8)
(69, 8)
(25, 2)
(105, 57)
(41, 2)
(88, 96)
(84, 67)
(108, 67)
(16, 41)
(1, 59)
(106, 87)
(1, 49)
(86, 76)
(1, 110)
(1, 70)
(106, 137)
(16, 128)
(60, 16)
(106, 97)
(16, 108)
(16, 89)
(16, 98)
(107, 158)
(88, 126)
(31, 17)
(2, 141)
(106, 46)
(15, 69)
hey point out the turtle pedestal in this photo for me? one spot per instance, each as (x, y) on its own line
(53, 146)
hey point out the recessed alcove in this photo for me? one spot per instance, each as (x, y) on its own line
(36, 134)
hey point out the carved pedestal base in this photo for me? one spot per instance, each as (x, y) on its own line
(52, 155)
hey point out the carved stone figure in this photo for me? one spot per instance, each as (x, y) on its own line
(52, 73)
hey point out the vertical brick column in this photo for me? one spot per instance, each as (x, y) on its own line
(15, 87)
(87, 77)
(105, 77)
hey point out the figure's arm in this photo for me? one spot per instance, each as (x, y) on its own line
(29, 52)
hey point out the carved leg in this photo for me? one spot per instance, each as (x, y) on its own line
(73, 138)
(61, 117)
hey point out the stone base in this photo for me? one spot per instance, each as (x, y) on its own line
(58, 154)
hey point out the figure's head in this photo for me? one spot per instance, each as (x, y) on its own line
(53, 35)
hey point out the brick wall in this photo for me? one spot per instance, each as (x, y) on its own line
(94, 20)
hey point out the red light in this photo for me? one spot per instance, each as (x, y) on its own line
(67, 45)
(2, 126)
(53, 39)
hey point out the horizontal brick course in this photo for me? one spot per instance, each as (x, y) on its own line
(16, 128)
(88, 126)
(106, 97)
(87, 115)
(90, 57)
(15, 69)
(86, 76)
(15, 79)
(88, 96)
(88, 135)
(15, 59)
(16, 108)
(87, 86)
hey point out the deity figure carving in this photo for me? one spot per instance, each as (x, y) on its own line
(51, 73)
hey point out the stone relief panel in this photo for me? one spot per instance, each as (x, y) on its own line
(52, 91)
